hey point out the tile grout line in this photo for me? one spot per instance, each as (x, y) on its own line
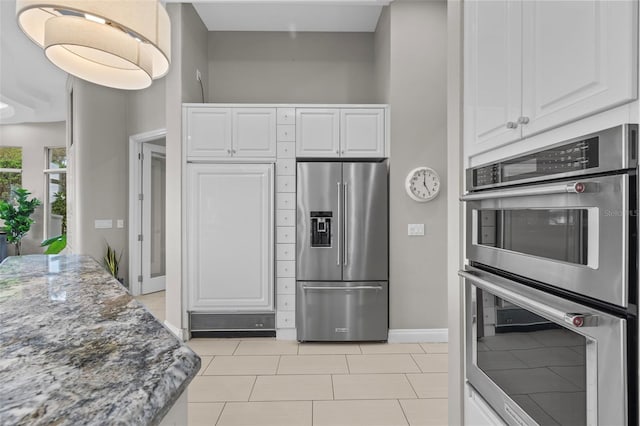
(333, 391)
(346, 359)
(224, 406)
(412, 387)
(278, 365)
(417, 364)
(253, 386)
(404, 413)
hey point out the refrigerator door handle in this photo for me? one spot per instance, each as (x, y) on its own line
(338, 239)
(359, 287)
(346, 224)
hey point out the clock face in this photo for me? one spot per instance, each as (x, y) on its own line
(422, 184)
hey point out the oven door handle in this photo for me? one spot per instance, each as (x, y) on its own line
(563, 188)
(574, 319)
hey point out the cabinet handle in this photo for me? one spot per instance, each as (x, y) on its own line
(512, 125)
(229, 151)
(233, 150)
(523, 120)
(337, 151)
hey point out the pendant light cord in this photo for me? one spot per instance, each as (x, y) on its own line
(201, 89)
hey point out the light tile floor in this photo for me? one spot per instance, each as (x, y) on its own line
(255, 382)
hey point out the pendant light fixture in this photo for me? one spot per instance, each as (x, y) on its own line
(123, 44)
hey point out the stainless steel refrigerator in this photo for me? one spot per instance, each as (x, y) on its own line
(342, 272)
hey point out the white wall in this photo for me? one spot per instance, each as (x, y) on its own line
(33, 138)
(281, 67)
(418, 102)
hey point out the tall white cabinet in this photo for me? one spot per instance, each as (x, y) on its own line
(230, 237)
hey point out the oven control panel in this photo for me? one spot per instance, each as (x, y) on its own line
(571, 157)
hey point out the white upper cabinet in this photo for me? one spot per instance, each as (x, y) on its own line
(317, 132)
(230, 133)
(254, 132)
(208, 132)
(340, 132)
(362, 132)
(578, 58)
(493, 73)
(534, 65)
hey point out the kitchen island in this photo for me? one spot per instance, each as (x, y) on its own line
(76, 348)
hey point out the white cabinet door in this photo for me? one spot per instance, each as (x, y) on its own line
(254, 132)
(362, 132)
(492, 75)
(317, 132)
(579, 58)
(230, 237)
(208, 132)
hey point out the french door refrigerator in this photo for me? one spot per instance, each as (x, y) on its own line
(342, 271)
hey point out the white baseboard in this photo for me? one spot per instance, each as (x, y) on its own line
(286, 334)
(179, 332)
(418, 335)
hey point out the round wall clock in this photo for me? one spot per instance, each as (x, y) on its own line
(422, 184)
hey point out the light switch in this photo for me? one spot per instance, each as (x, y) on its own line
(103, 224)
(415, 229)
(120, 223)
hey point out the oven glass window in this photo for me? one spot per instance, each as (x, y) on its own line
(557, 234)
(539, 364)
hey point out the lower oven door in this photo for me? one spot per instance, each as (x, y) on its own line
(538, 359)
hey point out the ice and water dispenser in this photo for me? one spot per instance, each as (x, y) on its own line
(321, 228)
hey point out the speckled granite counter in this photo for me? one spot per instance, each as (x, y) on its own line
(76, 348)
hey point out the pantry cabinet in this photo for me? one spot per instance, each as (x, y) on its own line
(230, 133)
(534, 65)
(340, 132)
(230, 237)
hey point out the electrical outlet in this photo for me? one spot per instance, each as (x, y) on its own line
(415, 229)
(198, 75)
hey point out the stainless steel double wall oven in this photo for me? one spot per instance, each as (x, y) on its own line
(552, 283)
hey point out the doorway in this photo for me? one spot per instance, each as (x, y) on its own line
(147, 230)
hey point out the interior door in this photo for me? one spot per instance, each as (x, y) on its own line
(365, 244)
(153, 218)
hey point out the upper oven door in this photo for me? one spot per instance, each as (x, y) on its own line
(572, 235)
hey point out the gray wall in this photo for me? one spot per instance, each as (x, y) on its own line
(283, 67)
(33, 138)
(189, 50)
(146, 109)
(418, 101)
(101, 169)
(382, 56)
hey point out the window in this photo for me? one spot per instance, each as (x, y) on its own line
(10, 170)
(55, 204)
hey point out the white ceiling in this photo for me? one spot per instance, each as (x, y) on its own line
(35, 89)
(347, 16)
(29, 83)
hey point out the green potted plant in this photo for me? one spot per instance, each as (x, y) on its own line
(17, 216)
(55, 245)
(112, 262)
